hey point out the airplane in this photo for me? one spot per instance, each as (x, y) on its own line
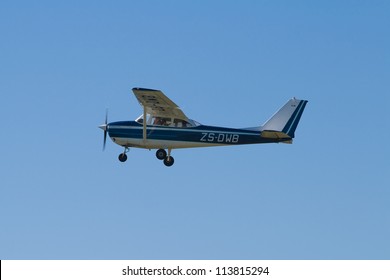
(165, 127)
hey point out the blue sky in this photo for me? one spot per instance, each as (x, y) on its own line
(228, 63)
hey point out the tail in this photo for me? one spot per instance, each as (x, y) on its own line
(283, 123)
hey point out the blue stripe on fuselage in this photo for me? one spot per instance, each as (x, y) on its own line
(199, 134)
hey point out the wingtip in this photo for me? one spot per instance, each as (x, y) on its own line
(143, 89)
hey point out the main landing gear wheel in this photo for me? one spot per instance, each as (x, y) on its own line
(161, 154)
(168, 161)
(122, 157)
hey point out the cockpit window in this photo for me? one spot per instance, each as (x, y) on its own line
(140, 119)
(181, 123)
(195, 123)
(164, 121)
(161, 121)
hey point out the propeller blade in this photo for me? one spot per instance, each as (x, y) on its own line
(104, 127)
(105, 139)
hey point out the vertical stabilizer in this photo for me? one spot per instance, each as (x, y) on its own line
(287, 118)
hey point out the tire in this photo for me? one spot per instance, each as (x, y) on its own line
(161, 154)
(168, 161)
(122, 157)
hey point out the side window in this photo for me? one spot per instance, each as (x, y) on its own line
(178, 123)
(181, 123)
(161, 121)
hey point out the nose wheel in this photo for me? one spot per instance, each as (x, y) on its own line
(123, 157)
(168, 160)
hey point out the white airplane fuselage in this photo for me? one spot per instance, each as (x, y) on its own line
(130, 134)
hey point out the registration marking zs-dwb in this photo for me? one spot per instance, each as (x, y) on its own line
(219, 137)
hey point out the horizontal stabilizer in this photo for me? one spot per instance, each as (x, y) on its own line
(276, 135)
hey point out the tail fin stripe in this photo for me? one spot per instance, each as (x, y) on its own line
(291, 119)
(294, 119)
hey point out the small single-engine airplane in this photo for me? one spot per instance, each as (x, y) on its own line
(164, 126)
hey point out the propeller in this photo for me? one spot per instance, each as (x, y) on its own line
(105, 127)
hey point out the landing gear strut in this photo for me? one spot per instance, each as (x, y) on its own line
(161, 154)
(123, 157)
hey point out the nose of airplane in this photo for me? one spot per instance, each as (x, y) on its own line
(103, 126)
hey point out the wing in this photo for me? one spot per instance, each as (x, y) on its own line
(157, 104)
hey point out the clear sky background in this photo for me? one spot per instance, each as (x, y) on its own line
(228, 63)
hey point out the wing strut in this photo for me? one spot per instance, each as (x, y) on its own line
(144, 123)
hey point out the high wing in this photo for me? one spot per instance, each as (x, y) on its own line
(157, 104)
